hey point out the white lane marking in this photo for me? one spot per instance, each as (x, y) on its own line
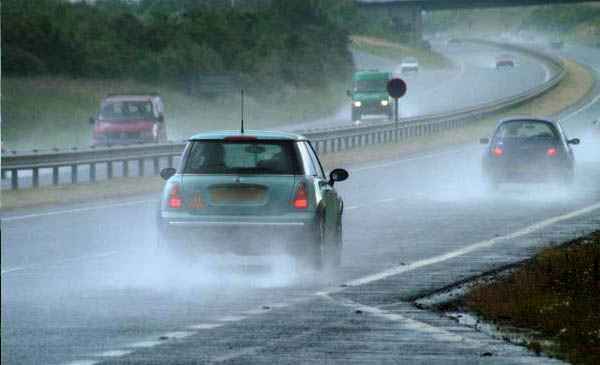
(585, 107)
(98, 255)
(82, 362)
(76, 210)
(178, 335)
(408, 323)
(231, 318)
(114, 353)
(352, 207)
(461, 71)
(18, 268)
(206, 326)
(144, 344)
(465, 250)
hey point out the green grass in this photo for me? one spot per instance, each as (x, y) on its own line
(396, 52)
(46, 112)
(557, 294)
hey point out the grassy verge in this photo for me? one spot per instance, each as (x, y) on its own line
(396, 52)
(558, 294)
(577, 83)
(46, 112)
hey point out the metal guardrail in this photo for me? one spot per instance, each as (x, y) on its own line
(325, 140)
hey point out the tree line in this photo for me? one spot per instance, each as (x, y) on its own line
(272, 44)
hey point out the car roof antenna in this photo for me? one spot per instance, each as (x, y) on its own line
(242, 111)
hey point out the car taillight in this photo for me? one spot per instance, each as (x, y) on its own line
(175, 196)
(497, 151)
(301, 196)
(552, 151)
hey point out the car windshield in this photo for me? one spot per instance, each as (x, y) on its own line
(237, 157)
(526, 129)
(126, 110)
(371, 85)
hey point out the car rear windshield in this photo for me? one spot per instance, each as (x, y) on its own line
(526, 129)
(371, 85)
(126, 110)
(242, 157)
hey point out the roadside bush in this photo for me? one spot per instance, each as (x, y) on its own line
(557, 293)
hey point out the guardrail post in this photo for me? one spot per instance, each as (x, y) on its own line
(55, 175)
(93, 172)
(325, 142)
(170, 161)
(14, 179)
(125, 168)
(109, 170)
(141, 167)
(36, 177)
(156, 165)
(73, 174)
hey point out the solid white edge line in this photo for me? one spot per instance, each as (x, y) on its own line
(465, 250)
(75, 210)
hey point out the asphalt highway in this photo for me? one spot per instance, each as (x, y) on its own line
(430, 91)
(81, 284)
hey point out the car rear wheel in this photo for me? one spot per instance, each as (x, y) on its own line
(326, 250)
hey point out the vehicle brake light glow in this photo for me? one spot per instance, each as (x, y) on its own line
(497, 151)
(552, 151)
(301, 196)
(175, 196)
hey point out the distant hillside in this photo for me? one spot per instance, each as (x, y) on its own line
(580, 22)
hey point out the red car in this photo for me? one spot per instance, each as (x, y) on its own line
(504, 61)
(130, 118)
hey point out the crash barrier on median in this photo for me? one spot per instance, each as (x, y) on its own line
(325, 140)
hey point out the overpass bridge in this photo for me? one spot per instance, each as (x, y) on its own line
(409, 11)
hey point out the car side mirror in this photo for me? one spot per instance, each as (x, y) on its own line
(161, 118)
(484, 141)
(574, 141)
(91, 120)
(349, 93)
(337, 175)
(166, 173)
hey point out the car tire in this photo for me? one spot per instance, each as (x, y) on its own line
(326, 251)
(568, 177)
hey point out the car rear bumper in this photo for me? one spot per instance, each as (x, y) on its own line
(546, 172)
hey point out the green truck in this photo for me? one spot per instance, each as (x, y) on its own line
(369, 94)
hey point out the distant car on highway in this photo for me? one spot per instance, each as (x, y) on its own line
(556, 43)
(454, 41)
(130, 118)
(369, 94)
(504, 61)
(409, 64)
(527, 149)
(253, 187)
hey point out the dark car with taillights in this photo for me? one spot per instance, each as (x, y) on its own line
(527, 149)
(240, 190)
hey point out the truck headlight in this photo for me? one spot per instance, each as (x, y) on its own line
(357, 104)
(384, 102)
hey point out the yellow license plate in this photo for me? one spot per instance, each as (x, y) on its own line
(237, 195)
